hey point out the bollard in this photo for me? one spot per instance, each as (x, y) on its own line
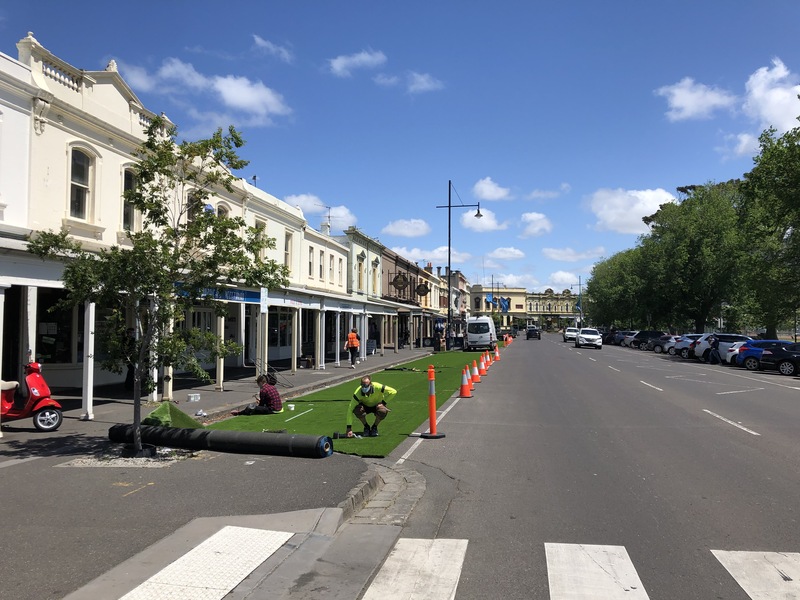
(432, 434)
(464, 391)
(476, 376)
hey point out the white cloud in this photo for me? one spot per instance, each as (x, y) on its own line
(486, 189)
(564, 188)
(772, 97)
(279, 52)
(407, 228)
(419, 83)
(508, 280)
(437, 256)
(344, 65)
(535, 224)
(507, 253)
(386, 80)
(250, 96)
(688, 99)
(251, 102)
(341, 217)
(622, 210)
(561, 280)
(570, 255)
(488, 222)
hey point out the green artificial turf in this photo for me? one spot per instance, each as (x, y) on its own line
(324, 412)
(169, 415)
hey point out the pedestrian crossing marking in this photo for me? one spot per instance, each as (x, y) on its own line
(214, 567)
(581, 571)
(764, 575)
(417, 564)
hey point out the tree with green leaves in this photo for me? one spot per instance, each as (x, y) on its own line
(184, 253)
(770, 220)
(693, 250)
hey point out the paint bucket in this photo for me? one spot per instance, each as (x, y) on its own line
(291, 406)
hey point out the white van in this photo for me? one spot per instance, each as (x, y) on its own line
(480, 333)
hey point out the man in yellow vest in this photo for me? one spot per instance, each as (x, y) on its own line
(369, 399)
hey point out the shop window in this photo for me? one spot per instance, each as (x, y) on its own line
(56, 329)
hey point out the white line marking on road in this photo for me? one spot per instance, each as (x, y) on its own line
(761, 380)
(416, 444)
(16, 461)
(764, 575)
(418, 568)
(729, 422)
(592, 359)
(651, 385)
(300, 415)
(739, 391)
(582, 572)
(614, 369)
(213, 568)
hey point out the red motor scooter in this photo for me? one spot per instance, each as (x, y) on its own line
(31, 399)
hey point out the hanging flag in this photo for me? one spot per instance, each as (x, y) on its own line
(505, 304)
(490, 298)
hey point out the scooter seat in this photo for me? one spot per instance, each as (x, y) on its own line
(8, 385)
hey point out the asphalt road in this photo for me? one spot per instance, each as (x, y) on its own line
(599, 449)
(571, 473)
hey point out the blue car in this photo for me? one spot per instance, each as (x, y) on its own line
(749, 355)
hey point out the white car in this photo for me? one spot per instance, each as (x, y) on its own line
(589, 337)
(570, 333)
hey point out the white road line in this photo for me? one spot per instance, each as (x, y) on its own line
(213, 568)
(651, 385)
(729, 422)
(583, 572)
(739, 391)
(592, 359)
(300, 415)
(761, 380)
(15, 461)
(418, 568)
(764, 575)
(614, 369)
(416, 444)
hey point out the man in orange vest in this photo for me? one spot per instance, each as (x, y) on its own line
(352, 344)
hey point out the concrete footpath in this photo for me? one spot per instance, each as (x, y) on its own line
(310, 553)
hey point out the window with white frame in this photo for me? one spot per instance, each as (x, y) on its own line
(80, 184)
(128, 212)
(360, 280)
(341, 271)
(330, 268)
(287, 251)
(322, 265)
(261, 227)
(223, 211)
(311, 262)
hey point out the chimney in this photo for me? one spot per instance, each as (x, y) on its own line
(325, 228)
(439, 272)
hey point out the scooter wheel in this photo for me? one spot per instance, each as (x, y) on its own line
(48, 419)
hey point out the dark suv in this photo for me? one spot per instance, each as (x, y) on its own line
(533, 333)
(641, 338)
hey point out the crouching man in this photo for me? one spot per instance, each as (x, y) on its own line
(369, 399)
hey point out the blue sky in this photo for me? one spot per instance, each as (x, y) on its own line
(566, 121)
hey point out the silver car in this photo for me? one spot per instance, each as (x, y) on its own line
(570, 333)
(589, 337)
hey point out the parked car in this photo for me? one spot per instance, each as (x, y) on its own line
(702, 346)
(620, 335)
(786, 359)
(659, 344)
(729, 358)
(589, 337)
(533, 333)
(669, 347)
(570, 333)
(749, 355)
(626, 341)
(641, 337)
(683, 347)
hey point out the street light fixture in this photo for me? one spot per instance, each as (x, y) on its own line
(449, 208)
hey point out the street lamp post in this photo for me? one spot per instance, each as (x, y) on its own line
(580, 298)
(449, 208)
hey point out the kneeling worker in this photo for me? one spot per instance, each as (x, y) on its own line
(269, 399)
(365, 401)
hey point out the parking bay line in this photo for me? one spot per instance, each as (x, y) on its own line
(739, 391)
(729, 422)
(651, 385)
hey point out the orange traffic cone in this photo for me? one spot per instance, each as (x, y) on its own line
(464, 391)
(489, 360)
(469, 378)
(476, 376)
(481, 367)
(496, 353)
